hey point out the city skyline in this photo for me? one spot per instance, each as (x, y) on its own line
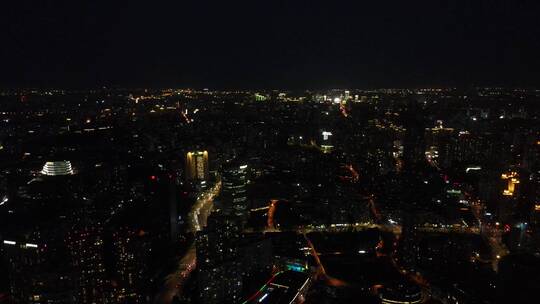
(269, 152)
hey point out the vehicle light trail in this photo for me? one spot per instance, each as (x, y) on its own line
(256, 294)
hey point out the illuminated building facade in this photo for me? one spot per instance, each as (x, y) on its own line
(438, 144)
(233, 193)
(131, 251)
(40, 272)
(512, 179)
(86, 249)
(256, 255)
(27, 283)
(514, 196)
(326, 142)
(220, 270)
(197, 165)
(57, 168)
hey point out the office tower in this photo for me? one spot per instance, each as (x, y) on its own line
(439, 139)
(219, 266)
(256, 255)
(86, 249)
(326, 141)
(233, 193)
(197, 166)
(42, 269)
(28, 282)
(131, 251)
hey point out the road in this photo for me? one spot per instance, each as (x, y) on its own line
(198, 216)
(260, 293)
(270, 224)
(283, 287)
(391, 228)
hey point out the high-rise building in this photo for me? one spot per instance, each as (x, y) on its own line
(86, 248)
(218, 255)
(326, 141)
(256, 254)
(197, 165)
(21, 258)
(218, 261)
(347, 96)
(233, 193)
(514, 200)
(131, 250)
(35, 272)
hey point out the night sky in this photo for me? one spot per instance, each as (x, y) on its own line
(269, 44)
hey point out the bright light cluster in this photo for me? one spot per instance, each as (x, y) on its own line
(57, 168)
(512, 178)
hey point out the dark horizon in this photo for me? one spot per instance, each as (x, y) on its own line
(280, 45)
(112, 87)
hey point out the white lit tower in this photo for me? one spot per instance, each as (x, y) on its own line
(233, 191)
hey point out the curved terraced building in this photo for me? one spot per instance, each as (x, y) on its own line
(57, 168)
